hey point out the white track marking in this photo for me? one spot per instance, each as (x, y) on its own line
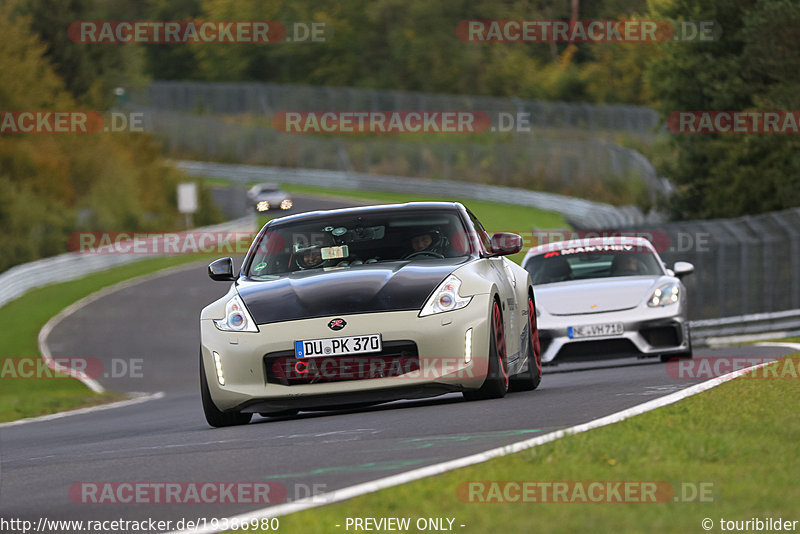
(436, 469)
(81, 411)
(795, 346)
(91, 383)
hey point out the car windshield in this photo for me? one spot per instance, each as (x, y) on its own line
(581, 263)
(349, 240)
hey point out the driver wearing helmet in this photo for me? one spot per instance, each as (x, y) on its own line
(428, 243)
(309, 258)
(421, 242)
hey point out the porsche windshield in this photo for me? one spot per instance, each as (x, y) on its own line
(350, 239)
(592, 262)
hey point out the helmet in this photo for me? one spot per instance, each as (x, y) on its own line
(439, 243)
(308, 257)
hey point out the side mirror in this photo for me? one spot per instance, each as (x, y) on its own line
(221, 270)
(505, 243)
(682, 268)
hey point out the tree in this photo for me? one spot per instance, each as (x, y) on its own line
(752, 66)
(54, 184)
(90, 72)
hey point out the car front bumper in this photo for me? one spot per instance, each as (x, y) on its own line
(647, 332)
(440, 339)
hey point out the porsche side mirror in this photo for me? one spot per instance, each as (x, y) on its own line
(221, 270)
(505, 243)
(682, 268)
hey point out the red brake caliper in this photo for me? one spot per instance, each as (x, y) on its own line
(500, 342)
(537, 347)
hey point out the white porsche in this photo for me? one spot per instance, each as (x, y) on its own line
(608, 297)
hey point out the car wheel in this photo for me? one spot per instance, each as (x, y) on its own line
(530, 378)
(214, 416)
(687, 355)
(496, 384)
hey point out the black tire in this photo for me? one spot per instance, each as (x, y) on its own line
(214, 416)
(687, 355)
(496, 384)
(530, 379)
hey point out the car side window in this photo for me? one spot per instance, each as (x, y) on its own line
(483, 235)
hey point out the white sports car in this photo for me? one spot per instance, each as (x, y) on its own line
(608, 297)
(367, 305)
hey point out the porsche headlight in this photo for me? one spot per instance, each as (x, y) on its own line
(237, 319)
(445, 298)
(664, 296)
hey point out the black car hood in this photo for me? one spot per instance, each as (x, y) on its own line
(380, 287)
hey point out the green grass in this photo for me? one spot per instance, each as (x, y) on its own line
(24, 317)
(795, 339)
(740, 440)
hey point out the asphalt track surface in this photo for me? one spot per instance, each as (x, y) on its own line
(155, 325)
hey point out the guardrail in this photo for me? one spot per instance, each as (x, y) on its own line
(578, 212)
(569, 147)
(70, 266)
(777, 324)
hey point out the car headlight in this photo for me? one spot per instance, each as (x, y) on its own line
(286, 204)
(664, 295)
(237, 319)
(445, 298)
(262, 206)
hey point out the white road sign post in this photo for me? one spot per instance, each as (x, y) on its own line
(187, 201)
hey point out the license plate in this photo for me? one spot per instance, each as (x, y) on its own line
(593, 330)
(338, 346)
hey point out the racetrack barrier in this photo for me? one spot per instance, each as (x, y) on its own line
(70, 266)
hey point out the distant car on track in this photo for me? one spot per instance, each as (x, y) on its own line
(267, 197)
(367, 305)
(608, 297)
